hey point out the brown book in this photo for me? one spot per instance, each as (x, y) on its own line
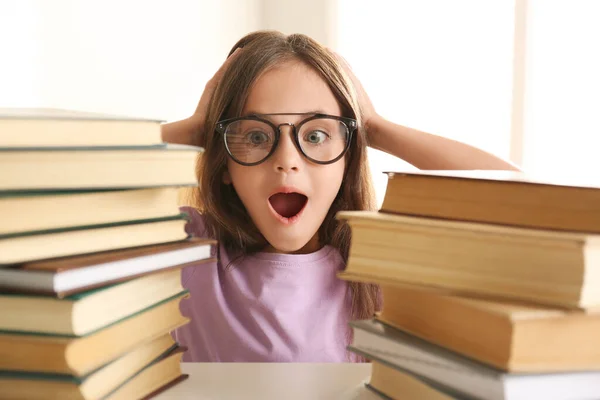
(31, 211)
(510, 336)
(78, 356)
(70, 275)
(95, 386)
(548, 267)
(24, 248)
(97, 168)
(496, 197)
(35, 127)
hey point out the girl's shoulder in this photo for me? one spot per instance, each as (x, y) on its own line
(196, 225)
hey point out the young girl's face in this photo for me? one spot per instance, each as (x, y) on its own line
(288, 196)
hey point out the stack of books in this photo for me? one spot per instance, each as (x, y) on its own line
(91, 249)
(491, 287)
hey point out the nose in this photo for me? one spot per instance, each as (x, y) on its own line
(286, 157)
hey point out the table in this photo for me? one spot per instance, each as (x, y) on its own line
(270, 381)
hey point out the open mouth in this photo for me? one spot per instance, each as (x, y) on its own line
(288, 205)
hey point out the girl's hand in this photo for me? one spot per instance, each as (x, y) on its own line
(191, 130)
(366, 106)
(423, 150)
(210, 87)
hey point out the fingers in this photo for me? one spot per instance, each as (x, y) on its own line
(364, 101)
(347, 69)
(211, 85)
(217, 76)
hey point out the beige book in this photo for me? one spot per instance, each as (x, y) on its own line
(23, 212)
(399, 385)
(89, 311)
(39, 127)
(69, 242)
(511, 336)
(78, 356)
(547, 267)
(154, 379)
(94, 386)
(497, 197)
(98, 168)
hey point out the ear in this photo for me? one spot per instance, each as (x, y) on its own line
(226, 178)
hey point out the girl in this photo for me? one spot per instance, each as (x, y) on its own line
(285, 126)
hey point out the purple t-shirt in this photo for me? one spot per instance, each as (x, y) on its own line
(265, 307)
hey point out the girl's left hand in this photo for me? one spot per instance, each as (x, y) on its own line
(369, 115)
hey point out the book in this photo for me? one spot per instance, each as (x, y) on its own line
(26, 247)
(35, 127)
(453, 373)
(35, 211)
(95, 386)
(393, 384)
(84, 313)
(511, 336)
(69, 275)
(79, 356)
(496, 197)
(152, 380)
(97, 167)
(546, 267)
(165, 387)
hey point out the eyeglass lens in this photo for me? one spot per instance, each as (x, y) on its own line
(321, 139)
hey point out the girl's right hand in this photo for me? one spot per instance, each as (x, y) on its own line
(210, 87)
(190, 130)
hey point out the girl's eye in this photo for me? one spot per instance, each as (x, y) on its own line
(257, 137)
(316, 137)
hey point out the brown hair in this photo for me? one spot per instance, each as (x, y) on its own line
(225, 216)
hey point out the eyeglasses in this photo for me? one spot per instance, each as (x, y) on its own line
(321, 138)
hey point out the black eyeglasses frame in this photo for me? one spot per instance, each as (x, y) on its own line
(351, 124)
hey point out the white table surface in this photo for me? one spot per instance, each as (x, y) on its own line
(211, 381)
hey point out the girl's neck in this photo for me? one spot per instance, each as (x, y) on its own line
(310, 247)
